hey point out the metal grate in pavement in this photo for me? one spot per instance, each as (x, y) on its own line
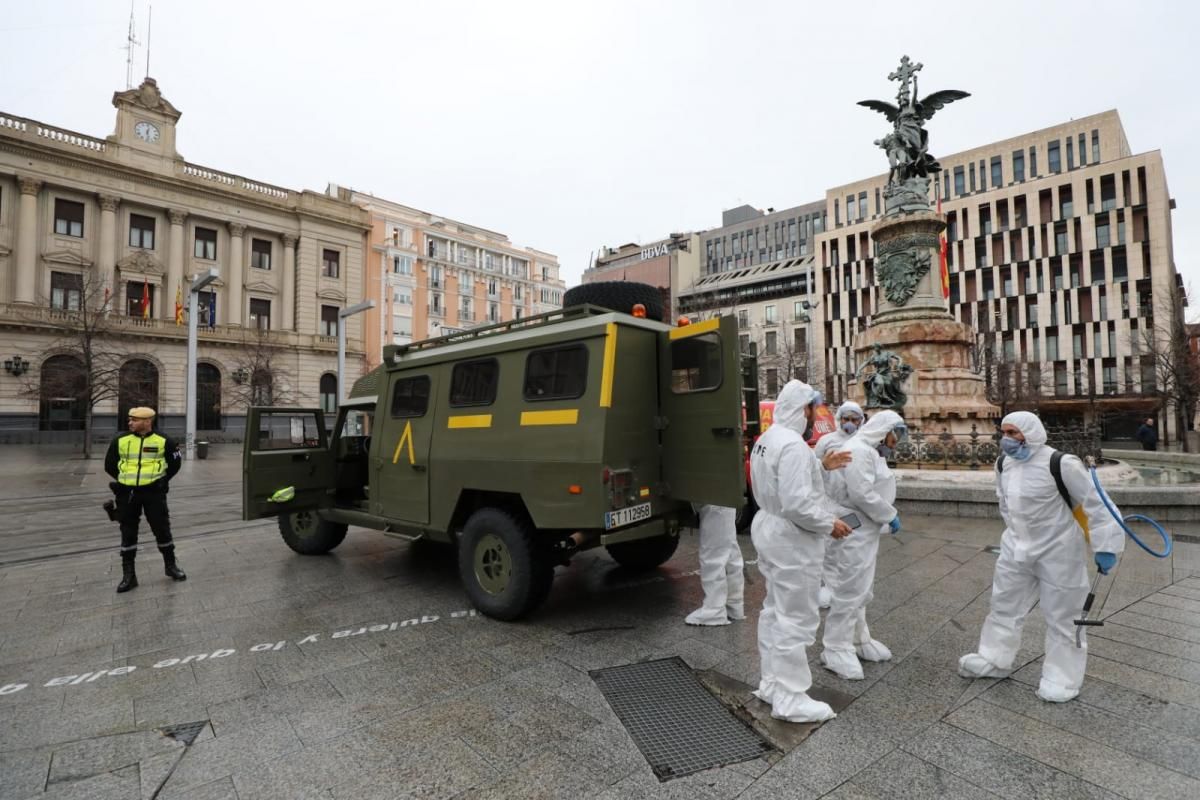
(186, 733)
(676, 723)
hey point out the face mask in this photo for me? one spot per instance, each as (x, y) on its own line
(849, 427)
(885, 451)
(1014, 449)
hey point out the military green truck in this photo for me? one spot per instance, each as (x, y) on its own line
(505, 440)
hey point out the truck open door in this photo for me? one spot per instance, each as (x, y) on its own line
(700, 395)
(287, 465)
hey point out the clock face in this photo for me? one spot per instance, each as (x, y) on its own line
(146, 131)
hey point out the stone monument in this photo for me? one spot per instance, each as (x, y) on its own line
(915, 355)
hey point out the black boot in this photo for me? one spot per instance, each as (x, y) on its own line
(172, 569)
(128, 576)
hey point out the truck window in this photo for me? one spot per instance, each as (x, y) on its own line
(410, 397)
(556, 373)
(473, 383)
(357, 423)
(696, 363)
(288, 431)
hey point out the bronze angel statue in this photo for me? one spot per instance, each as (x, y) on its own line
(907, 145)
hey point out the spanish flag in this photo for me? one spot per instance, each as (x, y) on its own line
(179, 305)
(145, 299)
(942, 248)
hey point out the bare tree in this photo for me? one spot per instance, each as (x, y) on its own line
(1010, 384)
(1164, 343)
(261, 374)
(785, 353)
(82, 314)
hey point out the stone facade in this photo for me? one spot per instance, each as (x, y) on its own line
(129, 216)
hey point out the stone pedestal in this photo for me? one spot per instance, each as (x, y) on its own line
(912, 322)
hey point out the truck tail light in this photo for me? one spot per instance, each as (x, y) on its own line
(621, 492)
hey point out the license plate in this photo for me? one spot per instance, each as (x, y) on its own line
(626, 516)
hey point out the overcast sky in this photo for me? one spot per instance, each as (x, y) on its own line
(569, 125)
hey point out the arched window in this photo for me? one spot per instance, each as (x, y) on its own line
(329, 392)
(262, 387)
(63, 388)
(208, 398)
(138, 386)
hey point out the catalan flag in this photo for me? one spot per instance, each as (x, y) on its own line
(145, 299)
(179, 305)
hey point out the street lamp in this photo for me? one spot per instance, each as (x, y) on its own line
(341, 365)
(198, 283)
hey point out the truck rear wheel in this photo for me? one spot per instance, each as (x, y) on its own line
(644, 554)
(308, 534)
(506, 576)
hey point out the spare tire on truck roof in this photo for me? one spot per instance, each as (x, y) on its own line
(617, 295)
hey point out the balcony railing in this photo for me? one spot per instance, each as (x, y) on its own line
(60, 322)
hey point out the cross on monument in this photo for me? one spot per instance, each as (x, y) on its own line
(906, 71)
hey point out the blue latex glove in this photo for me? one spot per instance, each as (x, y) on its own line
(1105, 562)
(895, 524)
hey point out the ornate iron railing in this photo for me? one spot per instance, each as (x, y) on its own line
(978, 449)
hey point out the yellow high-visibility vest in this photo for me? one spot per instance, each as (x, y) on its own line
(141, 460)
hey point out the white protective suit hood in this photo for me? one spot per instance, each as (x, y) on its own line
(876, 429)
(848, 407)
(1029, 426)
(790, 403)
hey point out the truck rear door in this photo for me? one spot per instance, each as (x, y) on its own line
(286, 462)
(701, 405)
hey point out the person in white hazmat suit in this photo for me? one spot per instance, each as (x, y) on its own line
(720, 568)
(866, 488)
(789, 532)
(849, 418)
(1043, 556)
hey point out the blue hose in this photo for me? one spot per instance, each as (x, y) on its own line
(1139, 517)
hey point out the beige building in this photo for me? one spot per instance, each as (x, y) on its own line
(432, 276)
(1059, 253)
(119, 225)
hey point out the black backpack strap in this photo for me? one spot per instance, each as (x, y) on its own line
(1056, 470)
(1000, 464)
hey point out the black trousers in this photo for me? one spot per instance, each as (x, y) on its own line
(131, 507)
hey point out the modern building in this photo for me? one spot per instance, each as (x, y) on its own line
(1060, 255)
(110, 231)
(671, 265)
(432, 276)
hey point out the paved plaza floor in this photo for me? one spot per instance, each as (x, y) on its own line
(363, 674)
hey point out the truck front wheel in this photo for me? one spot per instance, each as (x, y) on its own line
(644, 554)
(506, 576)
(308, 534)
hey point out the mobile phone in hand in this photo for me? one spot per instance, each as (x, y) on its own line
(852, 521)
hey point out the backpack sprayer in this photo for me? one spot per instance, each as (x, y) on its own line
(1166, 551)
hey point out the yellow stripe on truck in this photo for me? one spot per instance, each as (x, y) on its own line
(695, 329)
(470, 421)
(610, 363)
(567, 416)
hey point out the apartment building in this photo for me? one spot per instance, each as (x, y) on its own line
(1060, 256)
(432, 276)
(119, 225)
(1059, 252)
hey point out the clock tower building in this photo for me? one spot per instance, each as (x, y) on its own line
(109, 232)
(145, 124)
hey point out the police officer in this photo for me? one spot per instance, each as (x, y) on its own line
(143, 461)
